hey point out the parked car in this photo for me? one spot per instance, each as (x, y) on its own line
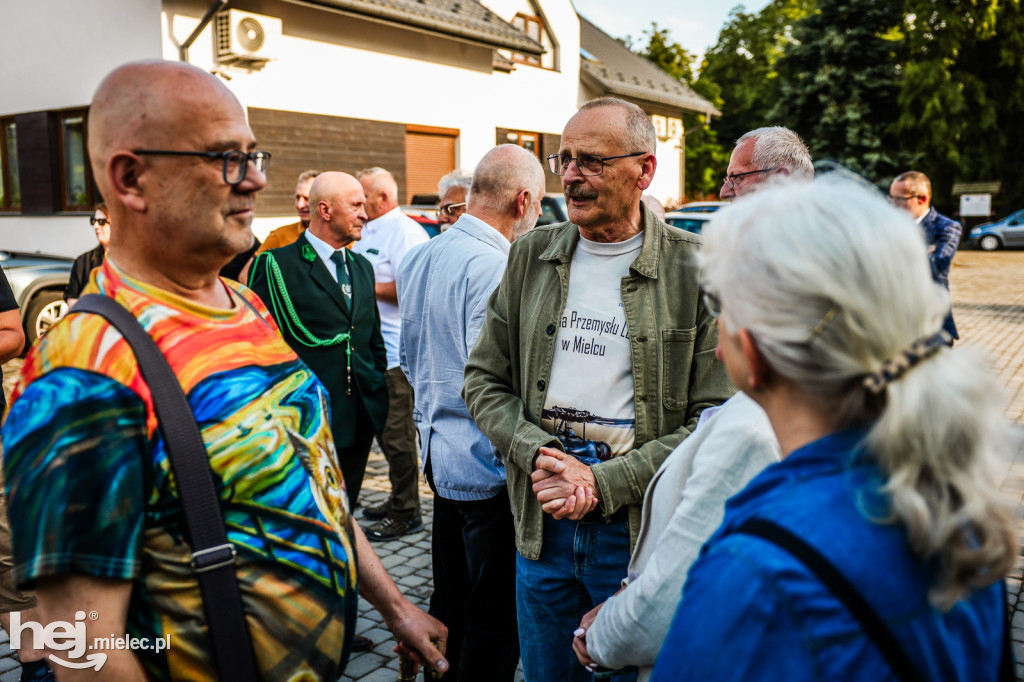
(701, 207)
(38, 281)
(553, 210)
(425, 215)
(692, 221)
(1005, 233)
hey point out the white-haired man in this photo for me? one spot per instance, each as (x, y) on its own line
(453, 189)
(762, 155)
(594, 361)
(443, 289)
(387, 237)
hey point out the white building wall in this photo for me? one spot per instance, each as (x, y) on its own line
(55, 53)
(336, 65)
(52, 56)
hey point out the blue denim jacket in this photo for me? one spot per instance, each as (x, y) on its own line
(751, 611)
(443, 287)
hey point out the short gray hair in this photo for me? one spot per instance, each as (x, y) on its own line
(383, 180)
(502, 173)
(307, 175)
(778, 147)
(457, 178)
(833, 283)
(640, 134)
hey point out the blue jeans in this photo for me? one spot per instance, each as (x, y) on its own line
(580, 566)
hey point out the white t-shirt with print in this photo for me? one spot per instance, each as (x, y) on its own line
(589, 402)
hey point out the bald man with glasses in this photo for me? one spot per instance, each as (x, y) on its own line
(912, 192)
(594, 361)
(96, 512)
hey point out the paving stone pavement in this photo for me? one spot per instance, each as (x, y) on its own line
(988, 304)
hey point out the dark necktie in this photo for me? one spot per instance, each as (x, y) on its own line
(344, 281)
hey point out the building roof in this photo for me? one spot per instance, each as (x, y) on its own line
(465, 20)
(613, 68)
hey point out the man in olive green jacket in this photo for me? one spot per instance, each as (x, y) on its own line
(594, 362)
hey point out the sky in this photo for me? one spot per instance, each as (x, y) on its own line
(694, 24)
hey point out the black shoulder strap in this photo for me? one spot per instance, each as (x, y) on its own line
(872, 625)
(213, 556)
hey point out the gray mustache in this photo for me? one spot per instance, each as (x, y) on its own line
(580, 192)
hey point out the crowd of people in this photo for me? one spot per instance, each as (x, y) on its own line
(755, 455)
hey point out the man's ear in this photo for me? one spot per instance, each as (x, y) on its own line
(647, 169)
(522, 202)
(782, 170)
(323, 209)
(760, 370)
(124, 172)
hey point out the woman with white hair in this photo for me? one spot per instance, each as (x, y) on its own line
(875, 550)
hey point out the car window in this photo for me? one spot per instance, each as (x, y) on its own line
(687, 224)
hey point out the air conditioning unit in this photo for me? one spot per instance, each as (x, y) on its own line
(246, 38)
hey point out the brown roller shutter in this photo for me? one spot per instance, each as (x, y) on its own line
(428, 157)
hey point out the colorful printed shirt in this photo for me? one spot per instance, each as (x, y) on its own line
(90, 489)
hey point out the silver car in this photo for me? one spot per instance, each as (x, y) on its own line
(38, 282)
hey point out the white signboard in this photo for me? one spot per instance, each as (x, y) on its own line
(975, 205)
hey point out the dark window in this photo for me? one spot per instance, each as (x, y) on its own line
(77, 191)
(528, 141)
(10, 184)
(532, 27)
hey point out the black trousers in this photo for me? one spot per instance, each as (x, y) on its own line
(474, 555)
(352, 459)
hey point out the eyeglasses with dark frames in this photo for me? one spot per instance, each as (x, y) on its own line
(449, 209)
(731, 179)
(588, 164)
(94, 221)
(895, 199)
(235, 162)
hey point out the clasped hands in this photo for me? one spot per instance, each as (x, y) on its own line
(564, 486)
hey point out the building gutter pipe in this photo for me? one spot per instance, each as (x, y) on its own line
(203, 23)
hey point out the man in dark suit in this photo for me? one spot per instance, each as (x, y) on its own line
(912, 191)
(322, 297)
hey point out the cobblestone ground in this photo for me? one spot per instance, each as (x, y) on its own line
(988, 303)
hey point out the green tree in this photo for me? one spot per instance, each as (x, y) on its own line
(961, 96)
(839, 84)
(704, 152)
(742, 64)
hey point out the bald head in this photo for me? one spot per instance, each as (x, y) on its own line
(177, 218)
(337, 208)
(381, 191)
(508, 185)
(152, 105)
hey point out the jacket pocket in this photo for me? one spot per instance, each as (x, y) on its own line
(677, 355)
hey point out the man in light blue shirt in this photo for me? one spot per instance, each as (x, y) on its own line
(443, 288)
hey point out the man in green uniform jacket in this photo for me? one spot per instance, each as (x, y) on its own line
(322, 297)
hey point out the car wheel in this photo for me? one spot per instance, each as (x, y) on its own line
(989, 242)
(42, 313)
